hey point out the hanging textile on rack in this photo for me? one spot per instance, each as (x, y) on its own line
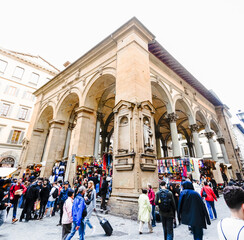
(104, 161)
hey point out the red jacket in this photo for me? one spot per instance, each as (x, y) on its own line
(151, 196)
(14, 188)
(210, 194)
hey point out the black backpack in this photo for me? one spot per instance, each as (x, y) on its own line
(55, 193)
(164, 201)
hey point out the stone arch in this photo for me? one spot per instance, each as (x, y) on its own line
(201, 120)
(71, 92)
(215, 127)
(164, 93)
(47, 105)
(186, 107)
(45, 116)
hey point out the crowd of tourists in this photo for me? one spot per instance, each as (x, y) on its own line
(38, 199)
(192, 203)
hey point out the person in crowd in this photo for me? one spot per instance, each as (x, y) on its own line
(44, 195)
(103, 192)
(76, 186)
(90, 200)
(232, 228)
(67, 214)
(197, 187)
(79, 213)
(62, 198)
(165, 201)
(15, 193)
(52, 197)
(144, 213)
(4, 184)
(176, 195)
(151, 196)
(210, 197)
(31, 196)
(60, 187)
(215, 187)
(232, 182)
(192, 210)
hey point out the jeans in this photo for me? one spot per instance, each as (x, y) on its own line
(167, 223)
(61, 205)
(210, 206)
(197, 233)
(153, 216)
(15, 205)
(103, 201)
(87, 222)
(81, 231)
(2, 217)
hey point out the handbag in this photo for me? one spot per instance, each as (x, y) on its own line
(37, 205)
(204, 194)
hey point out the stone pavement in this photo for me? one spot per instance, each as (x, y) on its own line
(46, 229)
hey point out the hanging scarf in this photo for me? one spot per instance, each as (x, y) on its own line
(104, 162)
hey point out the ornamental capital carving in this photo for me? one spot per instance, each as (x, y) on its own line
(172, 117)
(209, 134)
(194, 127)
(100, 116)
(221, 140)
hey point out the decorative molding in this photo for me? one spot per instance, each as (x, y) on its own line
(209, 135)
(194, 127)
(172, 117)
(221, 140)
(84, 109)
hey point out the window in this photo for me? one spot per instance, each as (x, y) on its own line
(11, 90)
(18, 72)
(4, 109)
(34, 78)
(23, 113)
(16, 136)
(3, 66)
(28, 95)
(185, 151)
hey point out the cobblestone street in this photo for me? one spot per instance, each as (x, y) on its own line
(46, 229)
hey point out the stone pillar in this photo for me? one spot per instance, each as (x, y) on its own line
(165, 150)
(97, 137)
(67, 141)
(158, 137)
(55, 142)
(174, 134)
(190, 147)
(194, 128)
(104, 135)
(212, 146)
(223, 149)
(83, 144)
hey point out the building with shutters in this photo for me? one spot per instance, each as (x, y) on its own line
(20, 75)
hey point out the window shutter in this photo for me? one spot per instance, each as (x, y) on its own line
(10, 110)
(28, 115)
(24, 94)
(10, 136)
(21, 137)
(17, 92)
(6, 89)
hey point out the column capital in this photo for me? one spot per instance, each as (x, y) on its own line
(194, 127)
(104, 134)
(172, 117)
(100, 116)
(209, 134)
(71, 126)
(221, 140)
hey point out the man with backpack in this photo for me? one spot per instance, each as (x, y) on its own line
(165, 201)
(52, 197)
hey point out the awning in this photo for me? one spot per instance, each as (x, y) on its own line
(4, 172)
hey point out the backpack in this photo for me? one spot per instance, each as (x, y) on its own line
(164, 201)
(55, 193)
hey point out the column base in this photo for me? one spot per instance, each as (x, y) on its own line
(125, 206)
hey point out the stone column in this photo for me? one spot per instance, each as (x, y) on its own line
(158, 136)
(165, 150)
(67, 141)
(174, 134)
(194, 128)
(104, 135)
(223, 149)
(55, 142)
(97, 137)
(212, 146)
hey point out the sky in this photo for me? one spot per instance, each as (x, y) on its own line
(205, 36)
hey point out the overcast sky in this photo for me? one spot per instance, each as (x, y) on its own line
(206, 37)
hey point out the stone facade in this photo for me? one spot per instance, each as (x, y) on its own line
(127, 91)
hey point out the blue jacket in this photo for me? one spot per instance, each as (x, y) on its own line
(78, 207)
(63, 195)
(191, 208)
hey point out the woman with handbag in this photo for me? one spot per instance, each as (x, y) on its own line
(209, 195)
(90, 200)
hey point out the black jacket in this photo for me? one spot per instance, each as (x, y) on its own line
(32, 193)
(3, 198)
(104, 187)
(191, 209)
(44, 194)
